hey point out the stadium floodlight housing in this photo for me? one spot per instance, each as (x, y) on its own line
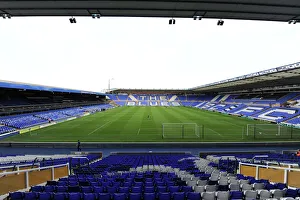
(220, 22)
(292, 21)
(72, 20)
(8, 16)
(197, 17)
(94, 16)
(171, 21)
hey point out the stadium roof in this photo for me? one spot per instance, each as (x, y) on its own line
(287, 75)
(28, 86)
(267, 10)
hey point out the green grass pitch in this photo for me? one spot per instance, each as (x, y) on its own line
(132, 124)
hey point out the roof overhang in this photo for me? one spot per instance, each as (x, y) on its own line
(280, 76)
(35, 87)
(266, 10)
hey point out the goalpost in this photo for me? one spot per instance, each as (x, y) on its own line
(34, 133)
(181, 130)
(270, 131)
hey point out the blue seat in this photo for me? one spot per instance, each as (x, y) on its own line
(84, 183)
(270, 186)
(94, 184)
(149, 189)
(119, 196)
(62, 183)
(161, 189)
(136, 189)
(149, 184)
(73, 189)
(178, 195)
(126, 184)
(89, 196)
(98, 189)
(104, 196)
(37, 188)
(160, 183)
(135, 196)
(59, 196)
(174, 189)
(236, 195)
(187, 189)
(106, 184)
(16, 195)
(74, 196)
(49, 188)
(281, 186)
(63, 179)
(51, 183)
(61, 189)
(223, 188)
(29, 195)
(138, 184)
(111, 189)
(193, 196)
(45, 196)
(149, 196)
(86, 189)
(73, 183)
(124, 190)
(291, 193)
(164, 196)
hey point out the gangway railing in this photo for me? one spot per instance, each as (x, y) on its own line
(22, 179)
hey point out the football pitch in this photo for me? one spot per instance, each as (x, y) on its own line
(142, 124)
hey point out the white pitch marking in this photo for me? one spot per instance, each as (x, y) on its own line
(215, 132)
(139, 131)
(98, 128)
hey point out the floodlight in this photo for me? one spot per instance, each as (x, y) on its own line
(220, 22)
(72, 20)
(197, 17)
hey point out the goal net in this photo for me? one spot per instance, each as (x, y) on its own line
(32, 133)
(271, 131)
(181, 130)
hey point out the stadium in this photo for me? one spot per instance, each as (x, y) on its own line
(236, 138)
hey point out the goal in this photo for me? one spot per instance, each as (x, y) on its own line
(32, 133)
(271, 131)
(181, 130)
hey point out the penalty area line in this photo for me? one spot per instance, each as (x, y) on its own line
(215, 132)
(98, 128)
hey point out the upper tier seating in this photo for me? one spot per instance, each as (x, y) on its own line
(5, 129)
(33, 119)
(22, 121)
(277, 114)
(123, 97)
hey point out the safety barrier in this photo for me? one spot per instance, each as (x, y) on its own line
(21, 179)
(287, 175)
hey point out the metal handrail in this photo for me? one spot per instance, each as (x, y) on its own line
(34, 169)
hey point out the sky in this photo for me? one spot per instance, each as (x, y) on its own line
(145, 53)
